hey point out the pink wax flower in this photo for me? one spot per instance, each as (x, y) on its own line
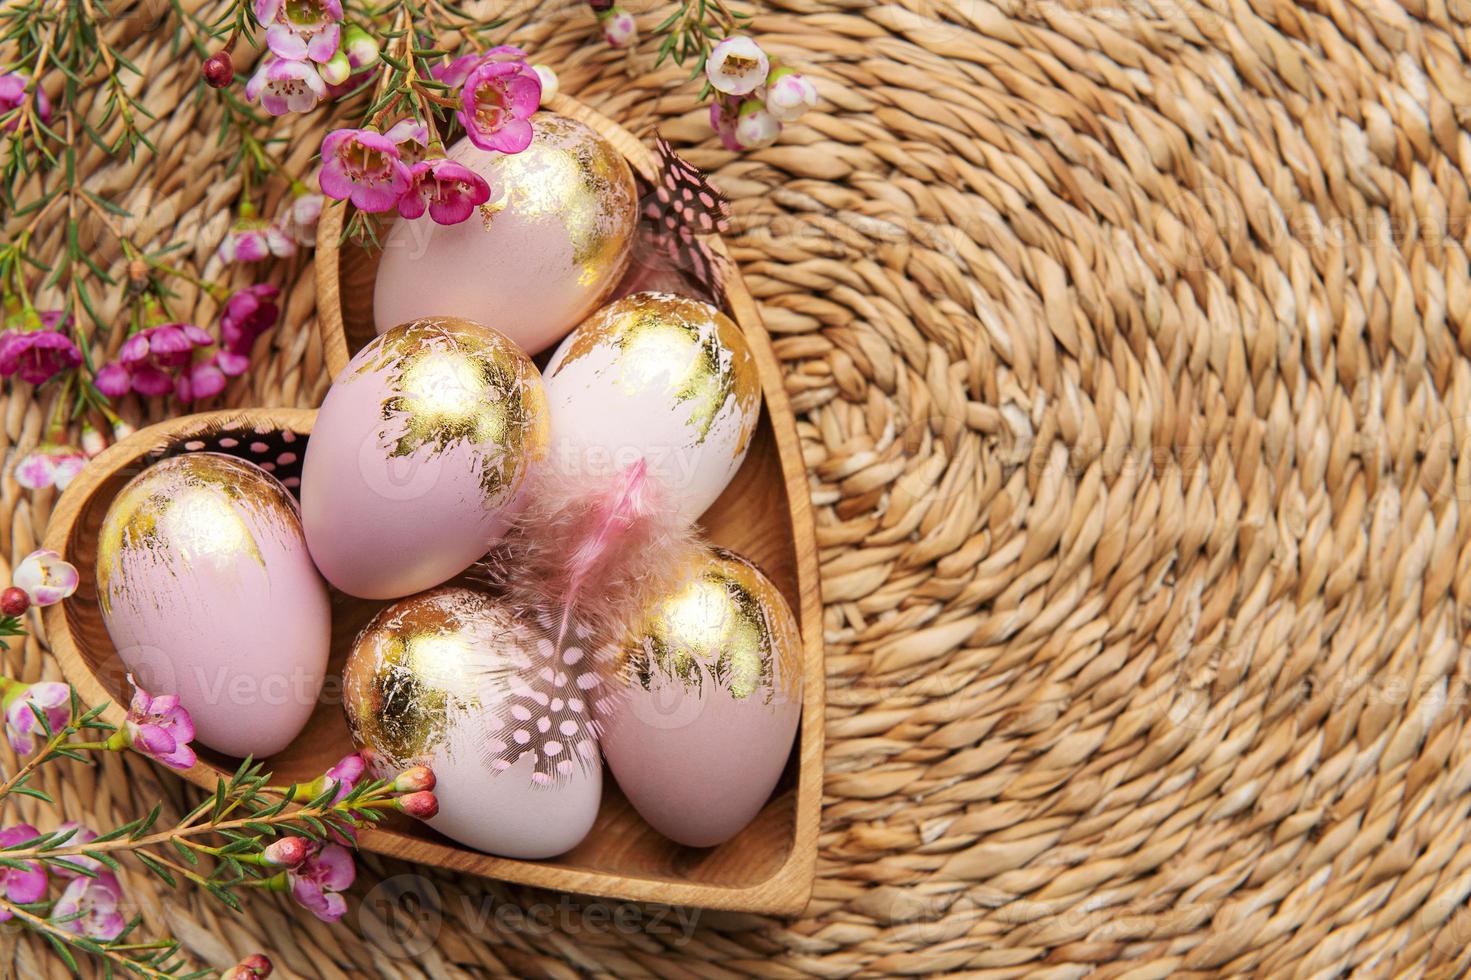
(299, 222)
(286, 852)
(498, 99)
(45, 577)
(318, 881)
(50, 698)
(249, 312)
(737, 66)
(80, 836)
(37, 356)
(450, 191)
(159, 728)
(789, 94)
(411, 136)
(152, 356)
(89, 907)
(301, 29)
(26, 884)
(755, 125)
(200, 381)
(113, 380)
(723, 121)
(282, 86)
(13, 96)
(455, 73)
(362, 166)
(344, 775)
(619, 29)
(251, 240)
(50, 464)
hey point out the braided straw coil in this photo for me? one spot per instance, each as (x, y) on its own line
(1129, 346)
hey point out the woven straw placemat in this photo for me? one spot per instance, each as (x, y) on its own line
(1129, 343)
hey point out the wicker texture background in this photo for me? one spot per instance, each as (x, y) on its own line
(1130, 345)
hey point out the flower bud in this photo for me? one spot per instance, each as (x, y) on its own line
(789, 94)
(92, 441)
(361, 47)
(337, 70)
(414, 780)
(550, 84)
(121, 429)
(138, 277)
(14, 601)
(422, 805)
(218, 70)
(253, 967)
(619, 29)
(755, 126)
(286, 852)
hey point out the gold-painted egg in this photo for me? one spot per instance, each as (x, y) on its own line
(418, 456)
(427, 683)
(543, 252)
(709, 692)
(660, 378)
(208, 592)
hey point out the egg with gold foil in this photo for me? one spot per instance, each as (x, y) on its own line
(661, 378)
(546, 249)
(427, 683)
(419, 454)
(701, 720)
(208, 592)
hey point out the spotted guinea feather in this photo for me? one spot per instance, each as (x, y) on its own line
(583, 559)
(683, 207)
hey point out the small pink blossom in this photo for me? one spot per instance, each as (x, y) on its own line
(361, 47)
(160, 728)
(50, 464)
(301, 29)
(318, 881)
(80, 837)
(344, 776)
(737, 66)
(450, 191)
(282, 86)
(113, 380)
(248, 313)
(755, 126)
(499, 98)
(455, 73)
(411, 136)
(51, 698)
(151, 357)
(723, 121)
(362, 166)
(45, 577)
(26, 884)
(13, 96)
(299, 222)
(251, 240)
(37, 356)
(89, 907)
(789, 95)
(201, 381)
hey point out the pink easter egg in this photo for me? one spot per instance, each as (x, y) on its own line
(418, 456)
(548, 247)
(208, 592)
(426, 684)
(699, 729)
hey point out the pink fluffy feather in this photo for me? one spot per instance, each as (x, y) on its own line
(581, 563)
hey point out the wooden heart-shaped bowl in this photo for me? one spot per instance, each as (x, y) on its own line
(764, 514)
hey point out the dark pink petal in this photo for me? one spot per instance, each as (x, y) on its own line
(25, 886)
(113, 380)
(152, 381)
(334, 867)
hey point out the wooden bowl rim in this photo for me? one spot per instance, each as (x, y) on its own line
(788, 889)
